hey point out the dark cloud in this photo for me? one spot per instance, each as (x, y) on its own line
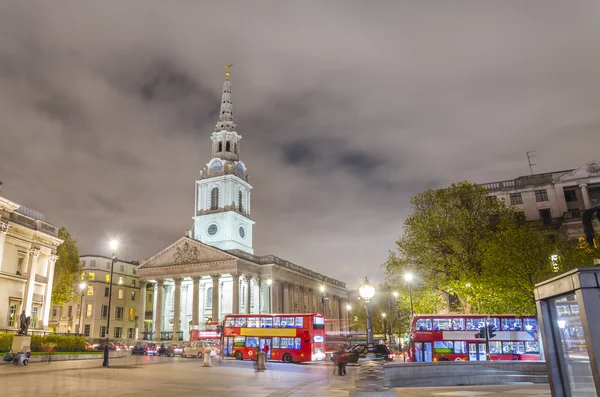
(346, 110)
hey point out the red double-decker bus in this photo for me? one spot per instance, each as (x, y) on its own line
(294, 337)
(459, 337)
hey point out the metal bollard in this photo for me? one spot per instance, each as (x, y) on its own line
(260, 363)
(207, 359)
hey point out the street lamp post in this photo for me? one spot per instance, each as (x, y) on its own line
(82, 289)
(408, 277)
(367, 291)
(395, 295)
(114, 244)
(348, 307)
(385, 338)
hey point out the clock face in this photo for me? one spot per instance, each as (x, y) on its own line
(242, 232)
(216, 166)
(212, 229)
(240, 169)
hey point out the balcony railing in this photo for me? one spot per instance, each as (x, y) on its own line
(573, 215)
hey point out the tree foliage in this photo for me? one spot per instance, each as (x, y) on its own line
(478, 251)
(66, 270)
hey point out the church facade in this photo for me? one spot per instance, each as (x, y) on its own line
(213, 271)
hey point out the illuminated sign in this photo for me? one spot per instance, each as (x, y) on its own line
(318, 339)
(267, 332)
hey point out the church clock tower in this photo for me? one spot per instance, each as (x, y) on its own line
(222, 205)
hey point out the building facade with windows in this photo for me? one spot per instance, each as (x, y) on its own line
(213, 271)
(27, 257)
(87, 313)
(557, 199)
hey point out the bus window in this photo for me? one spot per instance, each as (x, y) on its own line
(239, 341)
(424, 324)
(458, 324)
(287, 343)
(442, 347)
(230, 322)
(253, 322)
(251, 341)
(442, 324)
(513, 347)
(495, 347)
(299, 322)
(240, 322)
(275, 342)
(474, 324)
(530, 324)
(297, 343)
(276, 321)
(511, 324)
(266, 322)
(460, 347)
(532, 347)
(494, 322)
(318, 323)
(287, 322)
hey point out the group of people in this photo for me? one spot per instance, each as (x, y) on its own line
(341, 359)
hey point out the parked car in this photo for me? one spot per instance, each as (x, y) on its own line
(380, 352)
(197, 348)
(139, 348)
(100, 346)
(151, 349)
(178, 350)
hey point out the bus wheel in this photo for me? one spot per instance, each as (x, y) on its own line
(515, 358)
(238, 355)
(287, 358)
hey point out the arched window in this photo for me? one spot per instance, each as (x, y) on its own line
(220, 147)
(240, 205)
(235, 148)
(214, 198)
(228, 146)
(208, 298)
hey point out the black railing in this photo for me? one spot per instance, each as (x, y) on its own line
(147, 335)
(572, 215)
(169, 335)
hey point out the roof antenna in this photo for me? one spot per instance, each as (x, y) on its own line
(531, 155)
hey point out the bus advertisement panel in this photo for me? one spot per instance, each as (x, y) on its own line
(294, 337)
(476, 337)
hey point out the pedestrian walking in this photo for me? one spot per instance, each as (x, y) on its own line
(342, 359)
(266, 350)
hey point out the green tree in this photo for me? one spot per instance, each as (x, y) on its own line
(477, 252)
(67, 269)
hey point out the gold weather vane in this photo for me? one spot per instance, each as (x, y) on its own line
(229, 65)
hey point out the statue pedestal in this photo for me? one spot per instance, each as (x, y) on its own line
(21, 343)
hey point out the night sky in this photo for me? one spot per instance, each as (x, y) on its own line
(346, 109)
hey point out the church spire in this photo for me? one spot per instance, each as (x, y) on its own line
(226, 113)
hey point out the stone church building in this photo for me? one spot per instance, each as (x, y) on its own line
(213, 271)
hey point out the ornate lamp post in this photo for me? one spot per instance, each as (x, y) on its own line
(82, 286)
(114, 244)
(367, 291)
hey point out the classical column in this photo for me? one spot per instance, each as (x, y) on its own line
(34, 254)
(286, 298)
(215, 296)
(48, 292)
(258, 283)
(276, 297)
(195, 302)
(301, 296)
(311, 305)
(248, 294)
(586, 196)
(141, 310)
(235, 309)
(4, 227)
(177, 310)
(159, 308)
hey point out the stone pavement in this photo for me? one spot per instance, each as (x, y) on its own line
(134, 376)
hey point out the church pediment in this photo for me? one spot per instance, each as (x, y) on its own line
(589, 170)
(186, 251)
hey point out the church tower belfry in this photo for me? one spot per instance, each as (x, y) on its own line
(222, 204)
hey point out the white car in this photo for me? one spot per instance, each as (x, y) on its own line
(197, 348)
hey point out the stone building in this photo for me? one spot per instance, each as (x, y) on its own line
(213, 272)
(556, 198)
(27, 256)
(95, 279)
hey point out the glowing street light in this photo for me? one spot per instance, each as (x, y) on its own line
(114, 244)
(82, 286)
(408, 277)
(367, 291)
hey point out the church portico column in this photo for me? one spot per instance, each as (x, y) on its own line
(177, 310)
(215, 296)
(586, 196)
(286, 298)
(34, 254)
(142, 310)
(248, 294)
(48, 291)
(235, 309)
(195, 302)
(4, 227)
(159, 309)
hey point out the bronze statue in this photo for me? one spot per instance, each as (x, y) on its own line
(588, 224)
(23, 323)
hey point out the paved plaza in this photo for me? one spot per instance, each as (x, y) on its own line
(160, 376)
